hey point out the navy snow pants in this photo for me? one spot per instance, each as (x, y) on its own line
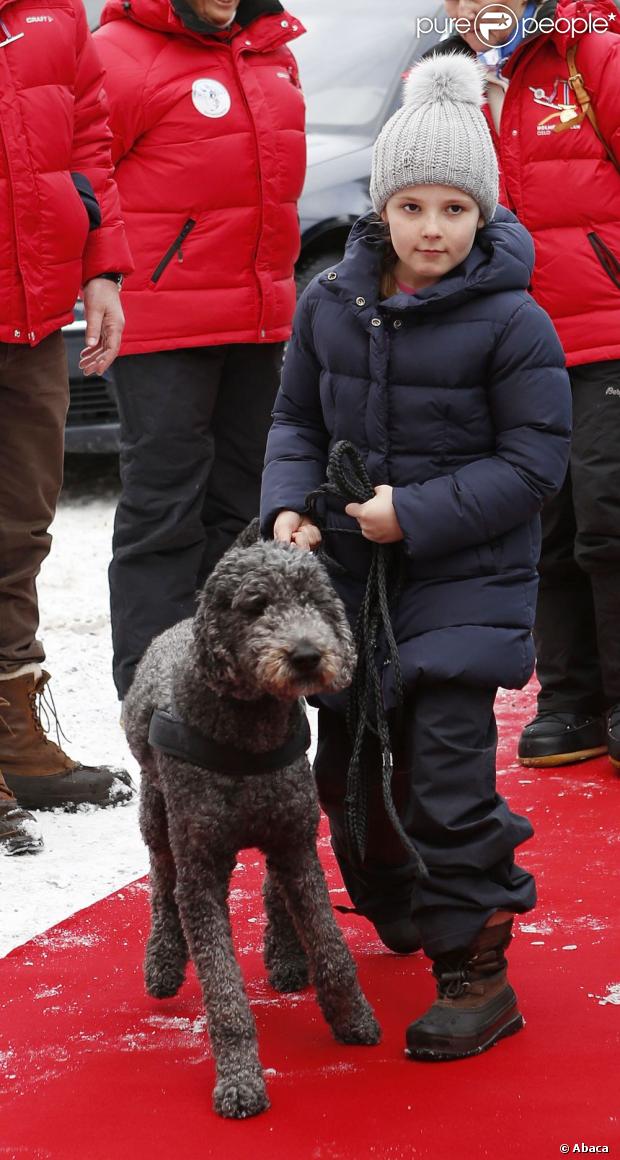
(444, 789)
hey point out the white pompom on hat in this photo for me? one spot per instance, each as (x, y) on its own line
(439, 136)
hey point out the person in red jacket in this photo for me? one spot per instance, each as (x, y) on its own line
(60, 229)
(209, 145)
(563, 182)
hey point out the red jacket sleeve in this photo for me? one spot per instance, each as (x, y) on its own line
(125, 76)
(106, 248)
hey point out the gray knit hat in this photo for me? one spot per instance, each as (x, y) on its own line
(439, 136)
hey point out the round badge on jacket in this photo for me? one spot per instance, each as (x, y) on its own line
(211, 98)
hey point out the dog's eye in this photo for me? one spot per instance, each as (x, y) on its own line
(253, 605)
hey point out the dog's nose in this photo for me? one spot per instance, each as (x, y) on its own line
(305, 657)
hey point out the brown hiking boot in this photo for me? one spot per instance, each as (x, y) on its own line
(475, 1005)
(40, 774)
(19, 831)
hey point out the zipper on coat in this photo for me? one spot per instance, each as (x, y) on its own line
(13, 225)
(8, 38)
(606, 257)
(261, 202)
(175, 248)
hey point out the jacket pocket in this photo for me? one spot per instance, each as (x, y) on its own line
(175, 248)
(606, 257)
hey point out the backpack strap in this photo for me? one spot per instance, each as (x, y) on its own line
(584, 100)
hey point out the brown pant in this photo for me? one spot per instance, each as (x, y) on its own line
(34, 396)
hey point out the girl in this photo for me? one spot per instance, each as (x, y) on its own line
(424, 349)
(546, 92)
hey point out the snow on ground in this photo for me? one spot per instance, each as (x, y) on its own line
(92, 852)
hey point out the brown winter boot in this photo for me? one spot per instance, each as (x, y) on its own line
(475, 1005)
(37, 770)
(19, 832)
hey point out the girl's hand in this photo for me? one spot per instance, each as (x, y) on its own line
(377, 518)
(292, 528)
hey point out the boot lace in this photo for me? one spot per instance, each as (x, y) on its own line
(456, 979)
(44, 712)
(453, 984)
(3, 721)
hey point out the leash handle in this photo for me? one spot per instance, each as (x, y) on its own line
(347, 478)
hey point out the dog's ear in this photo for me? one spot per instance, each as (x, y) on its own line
(210, 650)
(332, 608)
(250, 535)
(327, 600)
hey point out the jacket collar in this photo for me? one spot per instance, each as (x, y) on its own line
(271, 24)
(501, 258)
(247, 11)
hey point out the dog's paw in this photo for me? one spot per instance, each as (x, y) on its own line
(240, 1098)
(361, 1029)
(163, 981)
(291, 976)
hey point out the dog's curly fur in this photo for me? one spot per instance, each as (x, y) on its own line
(268, 630)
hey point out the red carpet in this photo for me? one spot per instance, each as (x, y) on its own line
(93, 1069)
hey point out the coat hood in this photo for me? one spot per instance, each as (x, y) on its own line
(580, 14)
(160, 16)
(502, 258)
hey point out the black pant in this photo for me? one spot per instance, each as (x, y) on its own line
(445, 793)
(194, 425)
(577, 630)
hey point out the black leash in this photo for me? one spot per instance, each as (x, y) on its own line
(348, 479)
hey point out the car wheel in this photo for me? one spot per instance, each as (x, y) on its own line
(308, 268)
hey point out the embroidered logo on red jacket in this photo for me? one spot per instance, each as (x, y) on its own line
(566, 113)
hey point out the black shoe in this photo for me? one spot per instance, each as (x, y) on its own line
(613, 735)
(475, 1005)
(19, 831)
(400, 935)
(561, 738)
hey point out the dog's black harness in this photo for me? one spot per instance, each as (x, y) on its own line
(172, 736)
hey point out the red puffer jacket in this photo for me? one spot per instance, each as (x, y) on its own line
(561, 184)
(210, 151)
(53, 122)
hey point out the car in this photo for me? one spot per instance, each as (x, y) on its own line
(350, 93)
(92, 419)
(352, 61)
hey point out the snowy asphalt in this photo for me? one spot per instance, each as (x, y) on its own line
(92, 852)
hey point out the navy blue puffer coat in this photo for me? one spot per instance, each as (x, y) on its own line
(459, 399)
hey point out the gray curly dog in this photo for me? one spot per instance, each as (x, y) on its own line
(268, 630)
